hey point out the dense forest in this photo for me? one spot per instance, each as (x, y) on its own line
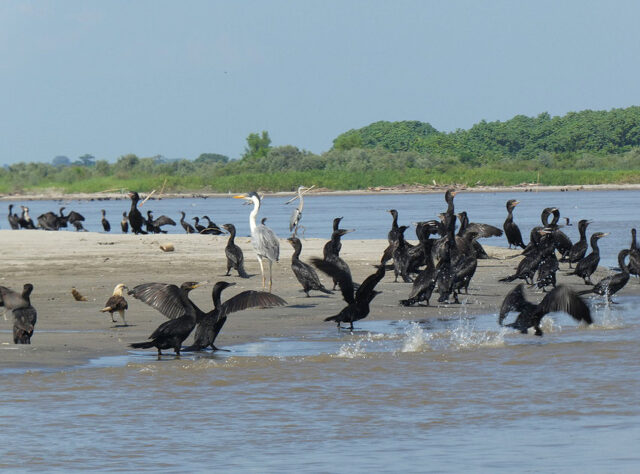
(587, 147)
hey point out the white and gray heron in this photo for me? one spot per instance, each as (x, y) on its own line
(265, 241)
(296, 215)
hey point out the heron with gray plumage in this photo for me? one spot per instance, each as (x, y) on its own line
(296, 215)
(265, 241)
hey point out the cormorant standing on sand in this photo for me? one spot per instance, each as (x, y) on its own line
(579, 249)
(135, 217)
(105, 223)
(585, 267)
(305, 273)
(511, 229)
(235, 257)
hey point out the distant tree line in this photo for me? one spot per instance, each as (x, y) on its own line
(588, 140)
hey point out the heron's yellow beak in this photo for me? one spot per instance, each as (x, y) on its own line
(241, 196)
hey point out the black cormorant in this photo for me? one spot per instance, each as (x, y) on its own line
(105, 223)
(174, 303)
(585, 267)
(211, 227)
(357, 300)
(14, 220)
(25, 220)
(511, 229)
(209, 324)
(611, 284)
(24, 315)
(188, 228)
(199, 227)
(135, 216)
(579, 249)
(560, 298)
(235, 257)
(305, 273)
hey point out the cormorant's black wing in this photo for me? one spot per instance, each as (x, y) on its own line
(163, 220)
(164, 297)
(483, 230)
(367, 286)
(514, 301)
(563, 299)
(250, 299)
(344, 278)
(11, 300)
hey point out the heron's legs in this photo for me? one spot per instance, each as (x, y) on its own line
(270, 282)
(262, 272)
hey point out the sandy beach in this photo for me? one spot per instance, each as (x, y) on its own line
(70, 332)
(54, 194)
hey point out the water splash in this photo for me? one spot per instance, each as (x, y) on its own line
(352, 350)
(467, 336)
(415, 339)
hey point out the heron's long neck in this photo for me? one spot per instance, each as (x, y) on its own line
(253, 215)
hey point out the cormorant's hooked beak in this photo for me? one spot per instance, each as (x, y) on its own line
(198, 284)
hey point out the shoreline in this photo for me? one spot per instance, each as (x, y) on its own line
(69, 333)
(386, 190)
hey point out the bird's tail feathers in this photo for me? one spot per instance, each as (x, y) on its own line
(142, 345)
(332, 318)
(509, 278)
(104, 310)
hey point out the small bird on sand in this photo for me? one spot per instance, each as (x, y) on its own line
(76, 294)
(117, 303)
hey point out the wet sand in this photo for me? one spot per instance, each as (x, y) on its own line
(71, 333)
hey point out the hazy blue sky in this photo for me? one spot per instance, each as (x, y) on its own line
(181, 78)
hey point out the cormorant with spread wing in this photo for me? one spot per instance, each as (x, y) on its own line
(530, 314)
(357, 300)
(175, 304)
(210, 324)
(611, 284)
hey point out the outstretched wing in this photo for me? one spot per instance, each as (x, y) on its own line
(163, 220)
(11, 300)
(563, 299)
(514, 301)
(250, 299)
(164, 297)
(483, 230)
(343, 278)
(367, 286)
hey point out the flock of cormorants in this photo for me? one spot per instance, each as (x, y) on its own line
(456, 253)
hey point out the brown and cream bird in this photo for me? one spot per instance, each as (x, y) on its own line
(116, 302)
(77, 295)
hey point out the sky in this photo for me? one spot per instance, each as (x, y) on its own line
(181, 78)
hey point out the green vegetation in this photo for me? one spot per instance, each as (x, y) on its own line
(588, 147)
